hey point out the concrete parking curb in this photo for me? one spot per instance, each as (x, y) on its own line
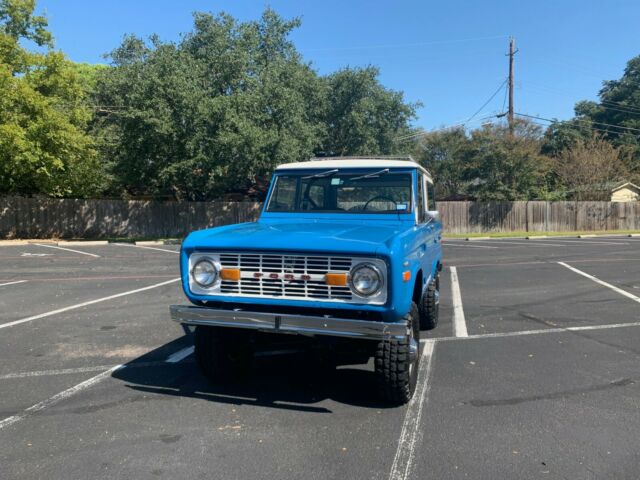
(79, 243)
(159, 242)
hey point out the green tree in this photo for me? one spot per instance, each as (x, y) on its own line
(43, 144)
(362, 116)
(211, 113)
(222, 107)
(506, 167)
(446, 155)
(615, 117)
(590, 168)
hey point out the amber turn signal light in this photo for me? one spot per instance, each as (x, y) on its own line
(337, 279)
(406, 276)
(232, 274)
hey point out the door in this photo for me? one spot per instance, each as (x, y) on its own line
(428, 234)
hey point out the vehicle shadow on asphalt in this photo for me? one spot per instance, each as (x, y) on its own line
(285, 382)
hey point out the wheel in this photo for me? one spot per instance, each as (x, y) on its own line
(222, 354)
(397, 361)
(430, 306)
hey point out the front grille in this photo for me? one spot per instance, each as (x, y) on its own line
(314, 268)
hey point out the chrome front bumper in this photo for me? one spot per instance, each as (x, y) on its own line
(286, 323)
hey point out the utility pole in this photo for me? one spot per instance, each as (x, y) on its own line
(512, 52)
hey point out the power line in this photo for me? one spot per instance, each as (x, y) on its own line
(443, 129)
(580, 120)
(557, 91)
(504, 100)
(403, 45)
(487, 102)
(584, 127)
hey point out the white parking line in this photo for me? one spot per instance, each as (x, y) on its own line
(588, 241)
(147, 248)
(584, 328)
(600, 282)
(71, 371)
(58, 397)
(449, 244)
(523, 243)
(459, 323)
(49, 402)
(180, 355)
(84, 304)
(410, 433)
(66, 249)
(12, 283)
(62, 371)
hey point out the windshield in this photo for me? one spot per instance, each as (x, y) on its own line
(335, 191)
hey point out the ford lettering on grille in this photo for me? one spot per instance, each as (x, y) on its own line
(272, 275)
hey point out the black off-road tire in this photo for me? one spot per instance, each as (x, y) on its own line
(430, 306)
(396, 374)
(223, 355)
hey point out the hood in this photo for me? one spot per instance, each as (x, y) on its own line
(303, 235)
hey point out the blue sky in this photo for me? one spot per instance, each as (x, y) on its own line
(449, 55)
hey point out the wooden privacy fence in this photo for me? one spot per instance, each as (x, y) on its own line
(66, 218)
(479, 217)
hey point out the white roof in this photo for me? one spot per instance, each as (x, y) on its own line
(630, 185)
(354, 162)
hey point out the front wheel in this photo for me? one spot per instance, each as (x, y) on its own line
(397, 362)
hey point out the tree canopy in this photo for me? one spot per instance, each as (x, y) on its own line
(222, 107)
(214, 113)
(44, 147)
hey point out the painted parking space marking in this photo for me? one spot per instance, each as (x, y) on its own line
(459, 323)
(586, 241)
(404, 458)
(601, 282)
(84, 304)
(145, 247)
(523, 243)
(67, 249)
(58, 397)
(72, 371)
(585, 328)
(449, 244)
(180, 355)
(12, 283)
(28, 254)
(94, 278)
(61, 371)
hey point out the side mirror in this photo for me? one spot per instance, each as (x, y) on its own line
(434, 215)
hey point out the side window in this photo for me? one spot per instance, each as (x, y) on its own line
(431, 197)
(420, 199)
(316, 195)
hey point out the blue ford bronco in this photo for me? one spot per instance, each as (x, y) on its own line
(345, 259)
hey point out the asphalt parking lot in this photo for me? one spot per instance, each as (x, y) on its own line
(533, 372)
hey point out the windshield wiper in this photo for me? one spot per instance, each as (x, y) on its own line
(328, 173)
(370, 175)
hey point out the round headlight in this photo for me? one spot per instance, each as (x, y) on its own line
(365, 279)
(204, 273)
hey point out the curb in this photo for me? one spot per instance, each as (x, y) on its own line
(79, 243)
(159, 242)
